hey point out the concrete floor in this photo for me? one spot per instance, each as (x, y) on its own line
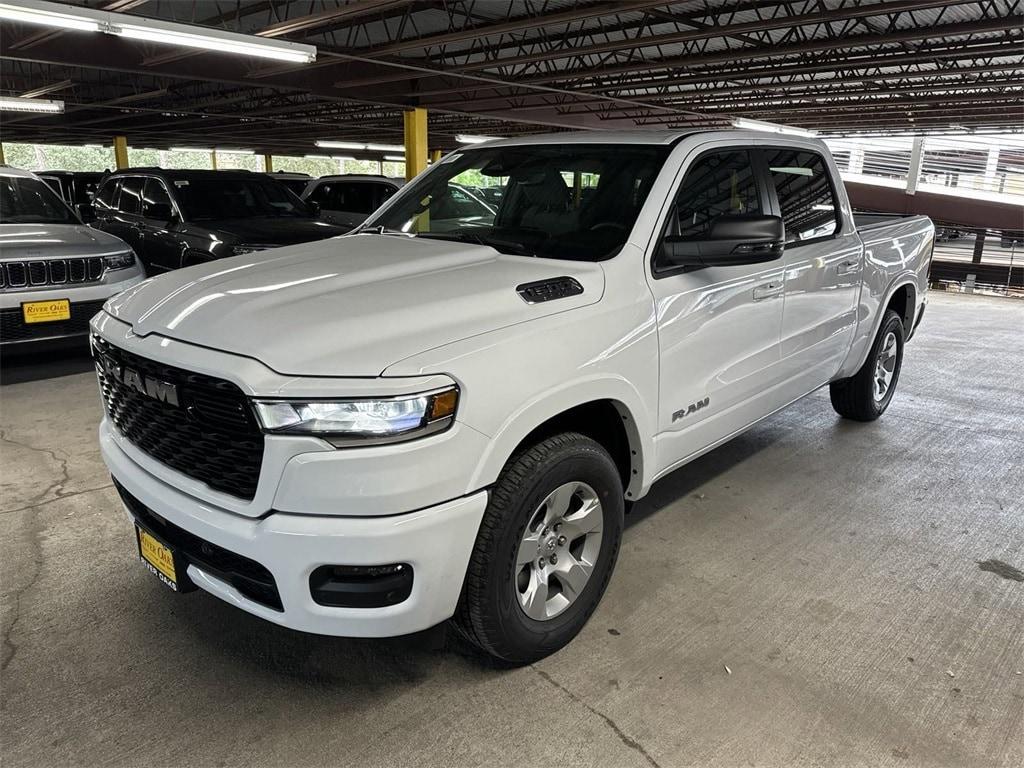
(838, 570)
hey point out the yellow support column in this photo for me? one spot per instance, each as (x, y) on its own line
(121, 152)
(415, 141)
(213, 159)
(2, 161)
(268, 163)
(435, 155)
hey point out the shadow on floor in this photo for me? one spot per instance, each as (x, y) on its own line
(44, 360)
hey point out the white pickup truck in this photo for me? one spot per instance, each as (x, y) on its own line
(445, 416)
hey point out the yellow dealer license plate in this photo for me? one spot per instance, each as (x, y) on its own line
(46, 311)
(157, 557)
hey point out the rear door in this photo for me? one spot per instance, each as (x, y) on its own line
(718, 327)
(823, 266)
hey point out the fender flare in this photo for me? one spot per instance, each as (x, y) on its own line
(568, 395)
(902, 279)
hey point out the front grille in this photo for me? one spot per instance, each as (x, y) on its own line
(32, 274)
(14, 328)
(210, 435)
(247, 576)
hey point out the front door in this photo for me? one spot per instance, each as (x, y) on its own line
(718, 327)
(160, 221)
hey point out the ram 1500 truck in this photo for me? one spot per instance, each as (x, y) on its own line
(445, 416)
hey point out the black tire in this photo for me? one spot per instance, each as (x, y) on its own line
(490, 615)
(854, 398)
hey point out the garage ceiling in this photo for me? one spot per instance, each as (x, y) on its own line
(496, 67)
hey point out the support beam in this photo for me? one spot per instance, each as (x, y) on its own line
(415, 141)
(2, 161)
(121, 152)
(213, 159)
(916, 159)
(268, 163)
(979, 246)
(435, 155)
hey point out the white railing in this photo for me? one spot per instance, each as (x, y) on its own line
(991, 167)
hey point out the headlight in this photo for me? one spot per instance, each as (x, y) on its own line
(241, 250)
(119, 260)
(361, 422)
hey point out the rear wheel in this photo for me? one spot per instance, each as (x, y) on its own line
(865, 395)
(545, 551)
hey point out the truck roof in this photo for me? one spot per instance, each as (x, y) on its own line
(662, 137)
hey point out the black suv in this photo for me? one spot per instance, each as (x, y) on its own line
(176, 219)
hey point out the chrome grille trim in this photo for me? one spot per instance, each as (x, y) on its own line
(40, 273)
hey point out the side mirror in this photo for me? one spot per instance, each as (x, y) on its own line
(732, 240)
(86, 212)
(314, 207)
(162, 212)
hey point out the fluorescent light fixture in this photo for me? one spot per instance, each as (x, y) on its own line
(761, 125)
(395, 158)
(18, 104)
(464, 139)
(191, 149)
(155, 30)
(342, 157)
(59, 16)
(386, 148)
(340, 144)
(318, 157)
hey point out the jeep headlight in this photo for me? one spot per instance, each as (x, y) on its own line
(119, 260)
(345, 423)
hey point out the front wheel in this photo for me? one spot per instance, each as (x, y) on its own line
(865, 395)
(545, 551)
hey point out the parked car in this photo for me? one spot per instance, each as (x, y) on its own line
(348, 199)
(55, 273)
(294, 180)
(407, 425)
(178, 218)
(76, 188)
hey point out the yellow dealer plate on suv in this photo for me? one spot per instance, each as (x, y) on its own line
(46, 311)
(157, 557)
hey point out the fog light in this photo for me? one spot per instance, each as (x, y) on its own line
(361, 586)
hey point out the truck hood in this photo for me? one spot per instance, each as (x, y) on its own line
(270, 231)
(350, 306)
(55, 241)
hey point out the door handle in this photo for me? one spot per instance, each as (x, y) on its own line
(768, 290)
(848, 267)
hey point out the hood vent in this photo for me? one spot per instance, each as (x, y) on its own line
(549, 290)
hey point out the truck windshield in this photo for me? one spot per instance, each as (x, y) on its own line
(30, 201)
(569, 201)
(237, 199)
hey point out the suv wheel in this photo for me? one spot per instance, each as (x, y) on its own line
(545, 551)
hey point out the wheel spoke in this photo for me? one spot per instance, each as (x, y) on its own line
(534, 600)
(558, 502)
(588, 519)
(573, 575)
(528, 549)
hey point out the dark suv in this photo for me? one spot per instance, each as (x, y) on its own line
(76, 188)
(176, 219)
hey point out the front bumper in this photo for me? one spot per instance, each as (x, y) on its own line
(436, 541)
(86, 301)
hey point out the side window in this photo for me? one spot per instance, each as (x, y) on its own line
(717, 184)
(156, 203)
(804, 192)
(131, 195)
(106, 196)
